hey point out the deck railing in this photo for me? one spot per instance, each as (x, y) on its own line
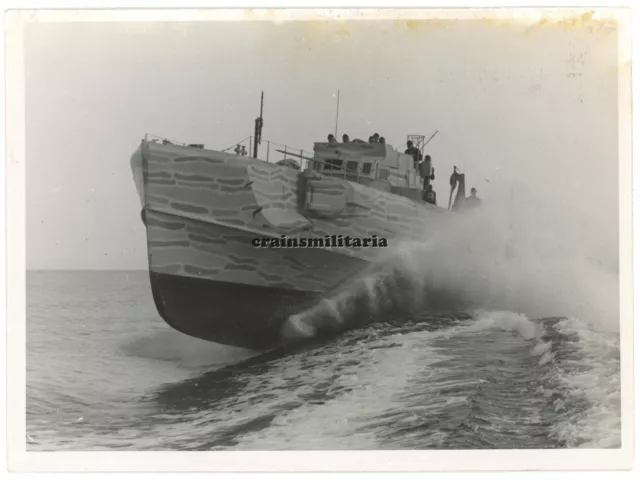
(270, 151)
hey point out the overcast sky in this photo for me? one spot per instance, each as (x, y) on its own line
(533, 108)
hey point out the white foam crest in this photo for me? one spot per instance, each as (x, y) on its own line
(541, 348)
(374, 288)
(507, 321)
(546, 358)
(333, 308)
(297, 327)
(595, 377)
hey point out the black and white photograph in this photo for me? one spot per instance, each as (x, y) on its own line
(369, 231)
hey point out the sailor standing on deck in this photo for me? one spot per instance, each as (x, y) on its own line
(473, 200)
(413, 151)
(427, 171)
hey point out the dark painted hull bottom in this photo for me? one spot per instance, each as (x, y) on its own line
(228, 313)
(256, 317)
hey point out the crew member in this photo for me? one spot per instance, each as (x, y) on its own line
(345, 138)
(473, 200)
(413, 151)
(427, 172)
(430, 195)
(382, 140)
(332, 140)
(237, 149)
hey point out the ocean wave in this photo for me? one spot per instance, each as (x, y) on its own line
(583, 375)
(588, 378)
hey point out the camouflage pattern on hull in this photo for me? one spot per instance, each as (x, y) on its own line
(183, 246)
(203, 209)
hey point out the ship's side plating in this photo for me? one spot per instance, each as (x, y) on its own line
(203, 209)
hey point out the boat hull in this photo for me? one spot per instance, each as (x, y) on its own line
(230, 313)
(210, 282)
(204, 210)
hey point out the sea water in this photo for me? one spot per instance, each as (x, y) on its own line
(105, 372)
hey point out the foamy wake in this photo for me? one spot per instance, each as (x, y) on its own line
(516, 270)
(583, 375)
(591, 379)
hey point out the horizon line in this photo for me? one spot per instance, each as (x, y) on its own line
(68, 269)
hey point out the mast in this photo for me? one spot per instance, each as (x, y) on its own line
(258, 129)
(337, 113)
